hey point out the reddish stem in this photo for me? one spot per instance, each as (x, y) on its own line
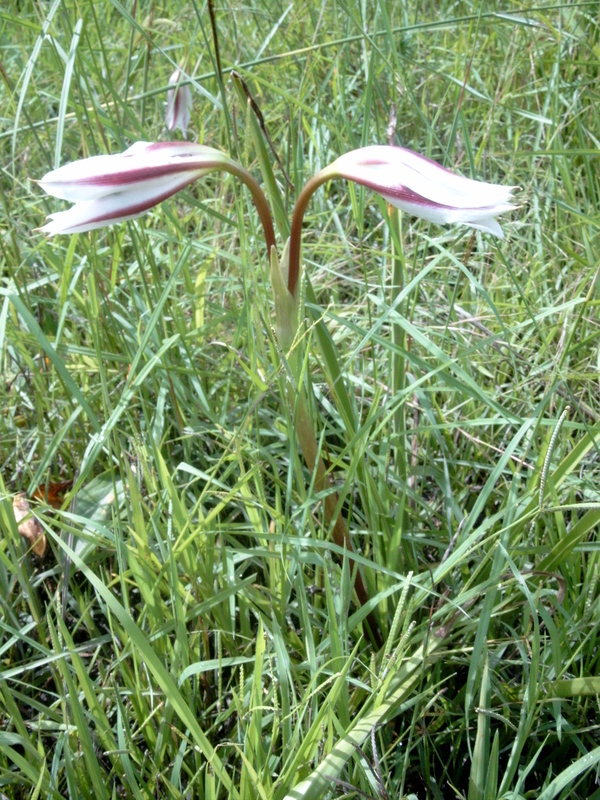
(260, 201)
(296, 230)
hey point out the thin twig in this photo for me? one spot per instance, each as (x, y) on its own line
(213, 25)
(261, 121)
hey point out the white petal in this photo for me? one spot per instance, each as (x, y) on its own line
(144, 166)
(423, 188)
(489, 226)
(100, 212)
(480, 218)
(396, 168)
(74, 181)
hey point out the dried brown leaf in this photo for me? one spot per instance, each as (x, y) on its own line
(28, 525)
(53, 493)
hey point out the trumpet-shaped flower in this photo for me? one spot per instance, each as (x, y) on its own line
(413, 183)
(421, 187)
(113, 188)
(179, 105)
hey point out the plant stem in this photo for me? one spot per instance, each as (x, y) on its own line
(398, 338)
(322, 483)
(296, 230)
(260, 201)
(303, 424)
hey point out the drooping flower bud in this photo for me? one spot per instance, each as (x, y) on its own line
(179, 104)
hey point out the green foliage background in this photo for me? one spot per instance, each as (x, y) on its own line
(192, 631)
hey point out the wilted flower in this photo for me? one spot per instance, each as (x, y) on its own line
(109, 189)
(179, 104)
(421, 187)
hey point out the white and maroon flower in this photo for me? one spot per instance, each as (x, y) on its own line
(179, 104)
(419, 186)
(411, 182)
(113, 188)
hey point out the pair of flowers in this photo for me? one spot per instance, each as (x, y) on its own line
(112, 188)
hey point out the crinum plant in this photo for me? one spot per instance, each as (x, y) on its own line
(109, 189)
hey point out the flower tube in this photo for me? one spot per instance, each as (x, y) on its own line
(412, 183)
(113, 188)
(179, 105)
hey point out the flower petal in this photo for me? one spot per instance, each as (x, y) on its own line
(87, 215)
(423, 188)
(144, 167)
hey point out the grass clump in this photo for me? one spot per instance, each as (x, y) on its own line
(192, 630)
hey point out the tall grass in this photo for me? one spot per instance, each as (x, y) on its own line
(192, 631)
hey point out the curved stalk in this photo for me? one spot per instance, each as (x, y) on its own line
(296, 230)
(260, 201)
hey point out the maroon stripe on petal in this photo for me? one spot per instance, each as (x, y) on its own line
(141, 174)
(136, 209)
(198, 152)
(382, 161)
(164, 145)
(403, 194)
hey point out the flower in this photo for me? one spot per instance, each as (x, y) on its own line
(113, 188)
(412, 183)
(179, 105)
(421, 187)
